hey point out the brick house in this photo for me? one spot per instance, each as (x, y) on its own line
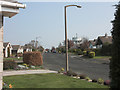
(102, 40)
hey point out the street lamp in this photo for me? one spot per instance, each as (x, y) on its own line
(66, 41)
(8, 8)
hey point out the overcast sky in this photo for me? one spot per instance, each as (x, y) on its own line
(47, 21)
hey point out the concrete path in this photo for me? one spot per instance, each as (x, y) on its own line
(21, 72)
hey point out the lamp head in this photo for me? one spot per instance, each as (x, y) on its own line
(78, 6)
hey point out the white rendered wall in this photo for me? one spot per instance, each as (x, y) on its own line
(1, 49)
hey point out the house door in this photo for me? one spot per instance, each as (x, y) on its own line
(8, 51)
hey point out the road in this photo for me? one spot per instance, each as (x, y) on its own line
(93, 68)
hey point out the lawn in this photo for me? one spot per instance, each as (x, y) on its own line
(21, 58)
(102, 57)
(48, 81)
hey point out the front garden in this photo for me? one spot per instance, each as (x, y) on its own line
(48, 81)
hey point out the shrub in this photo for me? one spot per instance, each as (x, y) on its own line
(61, 71)
(87, 78)
(84, 53)
(70, 73)
(97, 52)
(79, 52)
(19, 55)
(107, 82)
(82, 76)
(9, 64)
(91, 54)
(33, 58)
(94, 80)
(100, 81)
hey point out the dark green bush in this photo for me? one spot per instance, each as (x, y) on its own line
(79, 52)
(94, 80)
(9, 64)
(82, 76)
(71, 73)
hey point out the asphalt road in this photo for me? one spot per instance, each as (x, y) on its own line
(93, 68)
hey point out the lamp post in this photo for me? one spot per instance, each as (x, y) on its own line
(66, 41)
(8, 8)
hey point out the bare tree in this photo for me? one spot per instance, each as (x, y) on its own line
(85, 43)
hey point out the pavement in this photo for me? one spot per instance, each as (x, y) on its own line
(21, 72)
(93, 68)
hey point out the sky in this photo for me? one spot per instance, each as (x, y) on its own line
(46, 21)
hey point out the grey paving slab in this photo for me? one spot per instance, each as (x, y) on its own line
(21, 72)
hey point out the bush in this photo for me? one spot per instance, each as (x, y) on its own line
(70, 73)
(79, 52)
(84, 53)
(9, 64)
(61, 71)
(97, 52)
(94, 80)
(91, 54)
(100, 81)
(33, 58)
(82, 76)
(87, 78)
(107, 82)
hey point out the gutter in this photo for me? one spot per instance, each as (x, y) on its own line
(13, 5)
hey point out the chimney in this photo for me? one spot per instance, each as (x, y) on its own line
(105, 34)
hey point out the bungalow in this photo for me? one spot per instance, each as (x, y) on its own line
(102, 40)
(7, 49)
(27, 49)
(17, 49)
(92, 44)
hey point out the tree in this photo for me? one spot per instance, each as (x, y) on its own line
(115, 60)
(53, 49)
(40, 48)
(70, 43)
(85, 44)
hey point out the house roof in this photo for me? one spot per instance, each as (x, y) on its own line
(75, 46)
(107, 39)
(93, 42)
(15, 47)
(27, 47)
(5, 44)
(14, 1)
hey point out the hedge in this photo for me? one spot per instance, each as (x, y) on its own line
(33, 58)
(9, 64)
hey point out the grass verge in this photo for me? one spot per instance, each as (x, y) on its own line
(21, 58)
(102, 57)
